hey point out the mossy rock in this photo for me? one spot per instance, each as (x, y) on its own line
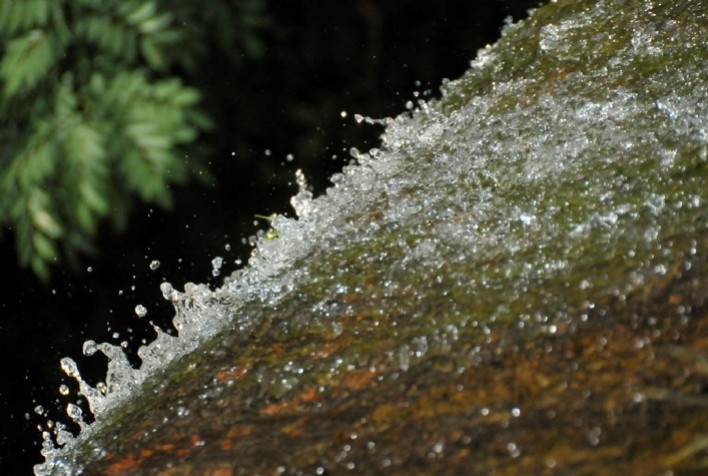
(514, 284)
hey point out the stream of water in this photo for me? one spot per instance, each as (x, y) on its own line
(529, 170)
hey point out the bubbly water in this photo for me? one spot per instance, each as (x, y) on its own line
(478, 179)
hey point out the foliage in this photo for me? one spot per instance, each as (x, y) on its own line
(229, 29)
(89, 119)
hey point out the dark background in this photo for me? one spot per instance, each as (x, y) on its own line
(321, 58)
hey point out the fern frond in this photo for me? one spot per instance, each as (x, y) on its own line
(35, 163)
(84, 125)
(41, 214)
(17, 16)
(109, 36)
(28, 60)
(37, 230)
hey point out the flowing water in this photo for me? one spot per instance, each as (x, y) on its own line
(566, 168)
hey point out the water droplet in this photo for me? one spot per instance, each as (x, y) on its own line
(404, 357)
(168, 292)
(593, 436)
(513, 449)
(302, 201)
(216, 264)
(89, 348)
(69, 367)
(75, 413)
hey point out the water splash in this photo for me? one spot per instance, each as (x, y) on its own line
(549, 163)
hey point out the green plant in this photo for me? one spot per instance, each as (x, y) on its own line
(89, 120)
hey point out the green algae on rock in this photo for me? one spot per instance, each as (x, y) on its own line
(515, 282)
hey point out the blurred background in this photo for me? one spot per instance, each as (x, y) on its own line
(139, 139)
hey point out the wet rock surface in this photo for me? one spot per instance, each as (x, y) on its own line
(515, 283)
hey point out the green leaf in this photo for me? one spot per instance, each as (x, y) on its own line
(16, 16)
(40, 268)
(152, 53)
(185, 97)
(92, 198)
(44, 247)
(112, 38)
(143, 13)
(36, 162)
(86, 144)
(65, 100)
(42, 219)
(155, 24)
(147, 136)
(85, 218)
(27, 61)
(23, 240)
